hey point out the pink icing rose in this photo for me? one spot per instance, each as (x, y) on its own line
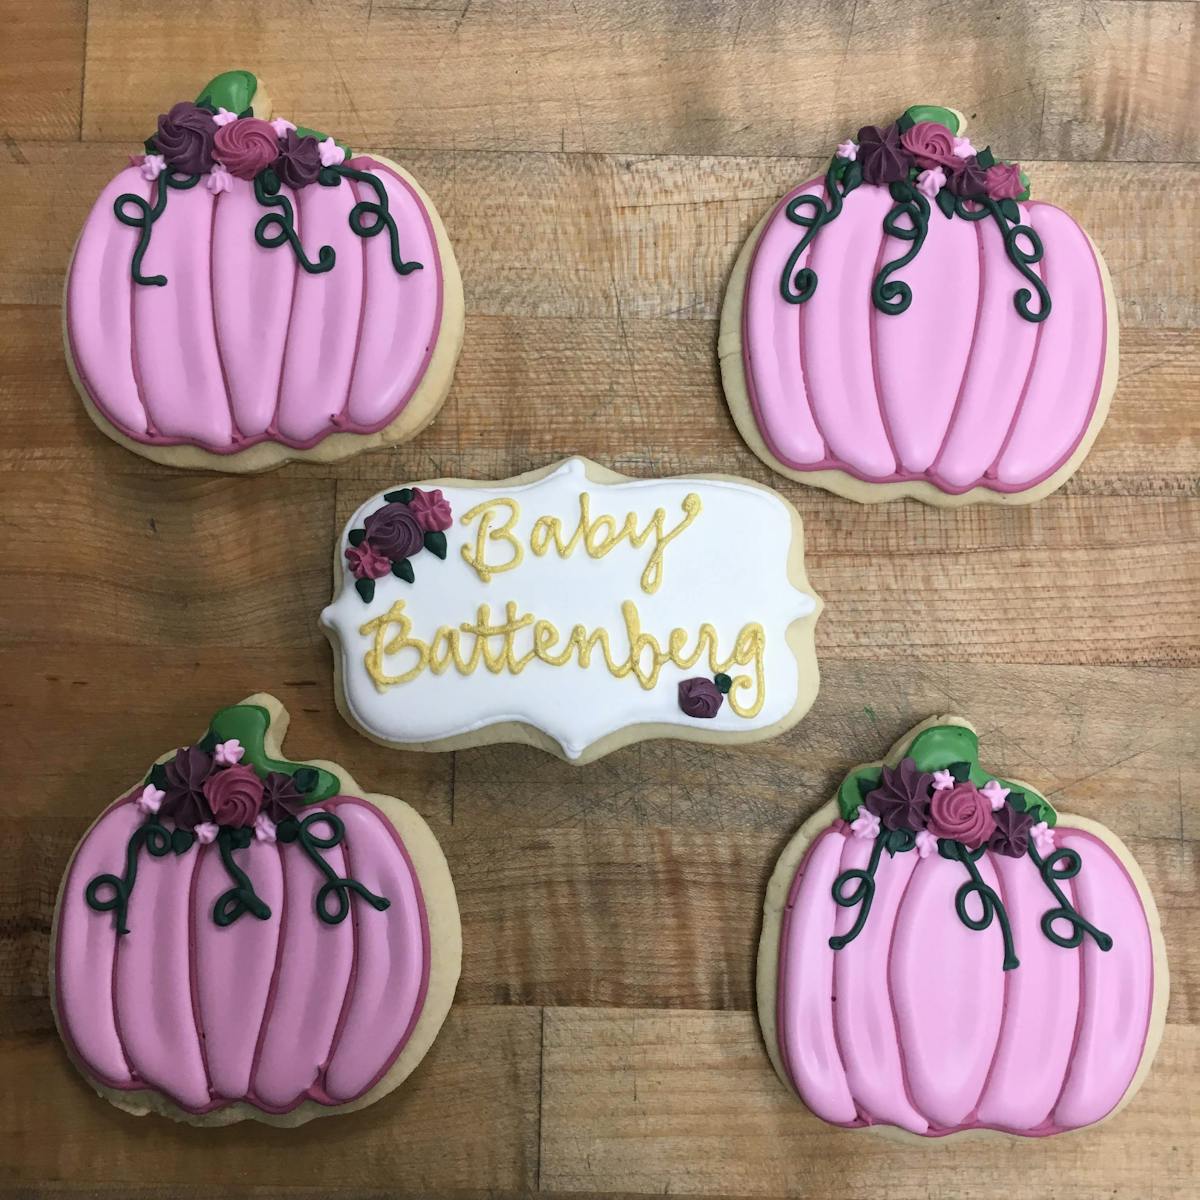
(218, 180)
(848, 150)
(931, 144)
(226, 754)
(234, 795)
(150, 801)
(332, 155)
(930, 182)
(431, 509)
(995, 793)
(246, 146)
(206, 832)
(153, 165)
(926, 844)
(865, 825)
(961, 814)
(366, 562)
(1004, 181)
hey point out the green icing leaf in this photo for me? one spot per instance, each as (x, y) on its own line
(905, 123)
(181, 840)
(930, 112)
(1024, 187)
(961, 771)
(1011, 212)
(945, 201)
(402, 569)
(435, 542)
(852, 178)
(357, 536)
(985, 158)
(401, 496)
(158, 776)
(938, 748)
(249, 723)
(854, 787)
(305, 779)
(723, 683)
(232, 91)
(366, 589)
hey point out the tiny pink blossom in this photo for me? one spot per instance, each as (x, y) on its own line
(264, 828)
(281, 125)
(847, 150)
(926, 843)
(153, 165)
(206, 832)
(150, 801)
(223, 116)
(228, 753)
(963, 148)
(332, 155)
(942, 779)
(930, 182)
(865, 825)
(1043, 838)
(995, 794)
(218, 180)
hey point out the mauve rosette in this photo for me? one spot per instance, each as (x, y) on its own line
(700, 698)
(961, 814)
(185, 802)
(882, 158)
(969, 181)
(366, 562)
(185, 138)
(931, 144)
(1011, 835)
(394, 531)
(901, 801)
(246, 146)
(281, 797)
(431, 509)
(299, 161)
(234, 796)
(1003, 181)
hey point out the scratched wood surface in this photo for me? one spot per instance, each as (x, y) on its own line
(597, 166)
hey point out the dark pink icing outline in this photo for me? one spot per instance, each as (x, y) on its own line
(340, 422)
(988, 480)
(1048, 1128)
(315, 1092)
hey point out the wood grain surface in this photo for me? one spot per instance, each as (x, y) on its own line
(597, 166)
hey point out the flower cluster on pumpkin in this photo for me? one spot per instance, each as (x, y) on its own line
(928, 155)
(202, 792)
(195, 139)
(933, 805)
(410, 521)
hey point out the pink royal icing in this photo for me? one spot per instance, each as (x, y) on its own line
(268, 1012)
(242, 345)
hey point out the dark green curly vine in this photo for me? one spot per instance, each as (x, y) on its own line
(893, 295)
(241, 898)
(840, 180)
(1011, 229)
(157, 839)
(336, 886)
(863, 895)
(146, 215)
(332, 176)
(1064, 863)
(283, 224)
(990, 902)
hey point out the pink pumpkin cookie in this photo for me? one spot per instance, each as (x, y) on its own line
(248, 292)
(912, 324)
(239, 937)
(942, 953)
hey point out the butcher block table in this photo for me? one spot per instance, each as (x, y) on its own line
(598, 166)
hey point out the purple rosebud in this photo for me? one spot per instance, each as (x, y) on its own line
(185, 138)
(700, 697)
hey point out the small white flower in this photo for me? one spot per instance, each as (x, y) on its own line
(153, 165)
(962, 147)
(150, 801)
(848, 150)
(942, 779)
(264, 828)
(926, 843)
(206, 832)
(218, 180)
(995, 794)
(865, 825)
(228, 753)
(223, 116)
(1043, 838)
(332, 155)
(281, 125)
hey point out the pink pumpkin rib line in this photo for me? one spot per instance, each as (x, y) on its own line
(193, 967)
(272, 430)
(801, 326)
(908, 1094)
(873, 317)
(235, 434)
(837, 1041)
(341, 418)
(933, 472)
(272, 987)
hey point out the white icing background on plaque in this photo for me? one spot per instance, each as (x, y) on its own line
(728, 568)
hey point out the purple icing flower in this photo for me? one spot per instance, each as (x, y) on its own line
(883, 158)
(246, 146)
(394, 531)
(234, 796)
(901, 801)
(969, 181)
(1012, 832)
(185, 138)
(185, 774)
(366, 562)
(281, 797)
(299, 161)
(431, 509)
(1003, 181)
(700, 698)
(931, 144)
